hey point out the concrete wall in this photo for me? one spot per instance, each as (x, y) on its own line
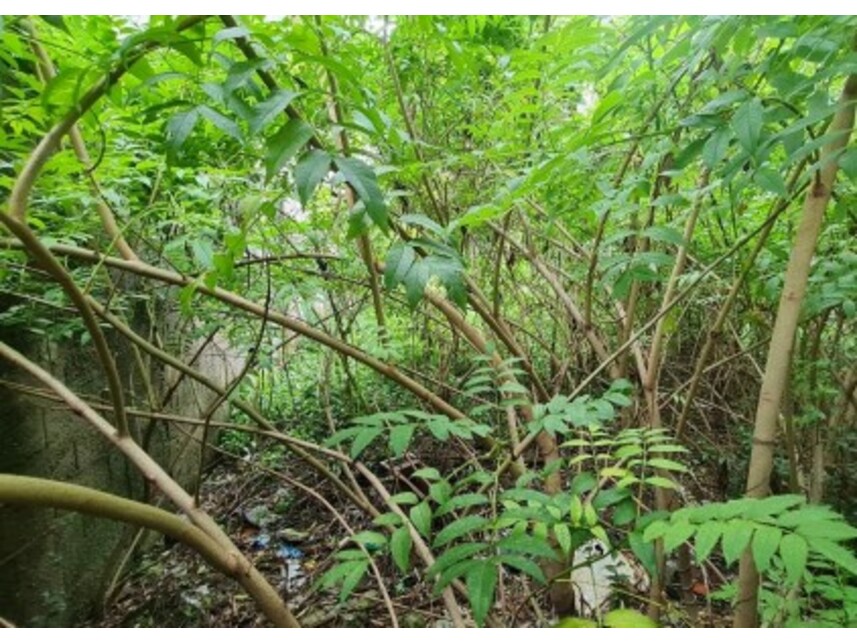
(54, 565)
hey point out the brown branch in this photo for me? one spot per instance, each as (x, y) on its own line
(777, 371)
(36, 492)
(31, 243)
(228, 297)
(778, 207)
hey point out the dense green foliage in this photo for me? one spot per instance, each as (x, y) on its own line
(571, 232)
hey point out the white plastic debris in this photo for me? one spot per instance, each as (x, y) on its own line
(597, 568)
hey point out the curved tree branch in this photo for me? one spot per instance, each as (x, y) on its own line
(151, 471)
(37, 492)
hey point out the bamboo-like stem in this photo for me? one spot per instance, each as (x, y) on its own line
(15, 220)
(776, 374)
(237, 301)
(35, 248)
(37, 492)
(295, 445)
(664, 497)
(679, 298)
(777, 208)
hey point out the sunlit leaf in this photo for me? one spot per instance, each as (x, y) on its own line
(283, 145)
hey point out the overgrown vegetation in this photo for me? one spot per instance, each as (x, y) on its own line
(505, 286)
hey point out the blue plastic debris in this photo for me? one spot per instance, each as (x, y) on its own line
(287, 552)
(261, 541)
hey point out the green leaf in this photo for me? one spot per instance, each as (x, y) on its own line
(427, 473)
(769, 179)
(231, 33)
(563, 537)
(582, 483)
(794, 552)
(372, 540)
(405, 498)
(806, 515)
(456, 554)
(611, 497)
(338, 572)
(628, 451)
(627, 618)
(283, 145)
(221, 122)
(730, 509)
(481, 582)
(660, 481)
(747, 124)
(452, 572)
(362, 179)
(723, 100)
(203, 252)
(644, 551)
(678, 534)
(310, 170)
(665, 234)
(241, 72)
(400, 438)
(836, 554)
(624, 513)
(420, 516)
(527, 495)
(422, 221)
(706, 540)
(526, 544)
(400, 548)
(459, 528)
(179, 128)
(188, 49)
(656, 530)
(848, 163)
(766, 540)
(552, 424)
(667, 465)
(415, 282)
(440, 491)
(56, 21)
(464, 500)
(186, 298)
(399, 260)
(736, 537)
(667, 448)
(590, 516)
(364, 438)
(269, 109)
(353, 578)
(715, 147)
(389, 519)
(827, 529)
(772, 505)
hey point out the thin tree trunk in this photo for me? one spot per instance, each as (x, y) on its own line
(782, 339)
